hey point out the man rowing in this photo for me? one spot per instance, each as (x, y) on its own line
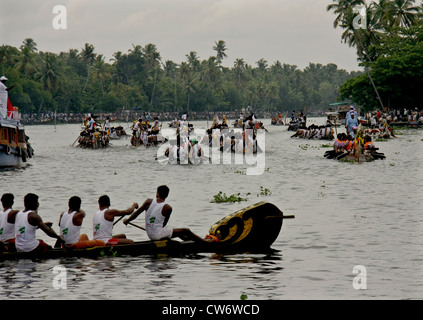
(103, 222)
(157, 216)
(26, 224)
(70, 223)
(7, 222)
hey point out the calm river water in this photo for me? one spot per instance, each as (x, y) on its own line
(347, 216)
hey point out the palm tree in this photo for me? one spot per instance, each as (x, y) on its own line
(362, 39)
(152, 62)
(193, 61)
(404, 13)
(30, 44)
(341, 7)
(7, 56)
(88, 56)
(220, 48)
(239, 68)
(383, 12)
(49, 74)
(101, 72)
(26, 63)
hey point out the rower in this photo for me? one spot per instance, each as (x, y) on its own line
(157, 216)
(70, 223)
(7, 222)
(26, 224)
(103, 222)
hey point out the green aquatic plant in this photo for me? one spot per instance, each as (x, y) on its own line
(264, 191)
(222, 197)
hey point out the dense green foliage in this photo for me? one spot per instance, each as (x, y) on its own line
(390, 47)
(83, 81)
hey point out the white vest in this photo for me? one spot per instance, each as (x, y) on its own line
(102, 228)
(153, 217)
(7, 230)
(68, 231)
(25, 233)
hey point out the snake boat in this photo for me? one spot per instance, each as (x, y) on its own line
(252, 229)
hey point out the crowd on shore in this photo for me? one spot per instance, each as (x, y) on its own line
(393, 115)
(128, 116)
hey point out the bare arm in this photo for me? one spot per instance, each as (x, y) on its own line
(12, 216)
(166, 211)
(35, 220)
(111, 213)
(134, 215)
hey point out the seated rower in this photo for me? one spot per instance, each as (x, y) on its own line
(368, 143)
(7, 223)
(157, 216)
(103, 222)
(70, 223)
(26, 224)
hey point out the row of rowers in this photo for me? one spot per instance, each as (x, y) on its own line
(348, 143)
(18, 228)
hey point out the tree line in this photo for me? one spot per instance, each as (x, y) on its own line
(389, 46)
(139, 79)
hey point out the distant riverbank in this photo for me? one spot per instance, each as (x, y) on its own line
(129, 116)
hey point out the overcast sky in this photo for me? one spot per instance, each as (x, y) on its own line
(291, 31)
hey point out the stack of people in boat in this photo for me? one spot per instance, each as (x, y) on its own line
(112, 132)
(243, 118)
(93, 136)
(323, 132)
(355, 146)
(18, 227)
(234, 142)
(146, 133)
(277, 120)
(297, 121)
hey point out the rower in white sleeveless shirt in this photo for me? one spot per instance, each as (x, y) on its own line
(70, 223)
(157, 216)
(103, 222)
(26, 224)
(7, 222)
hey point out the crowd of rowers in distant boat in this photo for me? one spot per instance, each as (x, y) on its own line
(94, 135)
(188, 148)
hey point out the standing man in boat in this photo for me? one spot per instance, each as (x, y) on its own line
(103, 222)
(4, 97)
(352, 124)
(26, 224)
(157, 216)
(7, 222)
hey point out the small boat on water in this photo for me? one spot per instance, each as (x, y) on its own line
(252, 229)
(15, 149)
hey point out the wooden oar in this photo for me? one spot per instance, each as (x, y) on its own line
(118, 220)
(137, 226)
(75, 141)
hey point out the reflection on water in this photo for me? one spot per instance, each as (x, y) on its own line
(345, 215)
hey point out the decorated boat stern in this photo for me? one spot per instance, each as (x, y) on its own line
(253, 228)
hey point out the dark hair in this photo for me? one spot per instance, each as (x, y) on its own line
(104, 201)
(75, 203)
(7, 200)
(163, 191)
(31, 201)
